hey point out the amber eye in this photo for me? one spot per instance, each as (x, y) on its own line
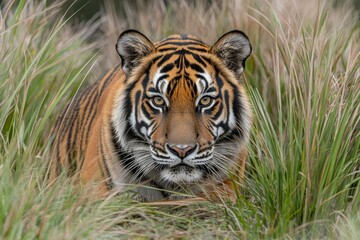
(206, 101)
(158, 101)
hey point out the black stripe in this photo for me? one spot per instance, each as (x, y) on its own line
(208, 60)
(181, 43)
(218, 114)
(198, 58)
(145, 112)
(238, 109)
(69, 149)
(164, 59)
(167, 49)
(126, 158)
(57, 163)
(129, 134)
(219, 81)
(172, 85)
(167, 68)
(145, 81)
(87, 125)
(227, 105)
(156, 58)
(196, 67)
(109, 182)
(85, 112)
(108, 79)
(186, 38)
(79, 122)
(197, 49)
(211, 90)
(68, 116)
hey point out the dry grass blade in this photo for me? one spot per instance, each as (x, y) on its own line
(182, 202)
(302, 175)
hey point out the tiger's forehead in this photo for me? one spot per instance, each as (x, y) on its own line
(182, 67)
(184, 41)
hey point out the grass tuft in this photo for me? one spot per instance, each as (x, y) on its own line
(303, 79)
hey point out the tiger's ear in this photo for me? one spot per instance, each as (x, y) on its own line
(233, 48)
(132, 46)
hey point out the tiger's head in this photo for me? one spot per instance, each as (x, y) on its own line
(184, 116)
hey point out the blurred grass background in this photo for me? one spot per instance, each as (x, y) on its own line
(303, 79)
(90, 8)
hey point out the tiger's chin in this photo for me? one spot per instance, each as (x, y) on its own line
(181, 173)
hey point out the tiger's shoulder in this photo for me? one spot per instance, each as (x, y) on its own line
(75, 125)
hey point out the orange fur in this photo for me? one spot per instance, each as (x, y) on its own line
(84, 141)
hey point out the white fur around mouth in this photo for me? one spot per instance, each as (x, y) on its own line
(181, 176)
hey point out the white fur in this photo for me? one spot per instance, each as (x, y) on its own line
(163, 86)
(118, 120)
(182, 176)
(247, 116)
(167, 175)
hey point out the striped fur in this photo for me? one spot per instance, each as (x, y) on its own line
(173, 115)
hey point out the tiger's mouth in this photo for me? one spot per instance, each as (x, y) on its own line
(181, 167)
(196, 158)
(189, 169)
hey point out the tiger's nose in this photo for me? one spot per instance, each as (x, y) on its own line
(181, 151)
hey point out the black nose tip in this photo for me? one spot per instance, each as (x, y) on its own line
(181, 152)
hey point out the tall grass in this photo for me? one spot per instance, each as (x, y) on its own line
(40, 65)
(43, 63)
(304, 83)
(302, 176)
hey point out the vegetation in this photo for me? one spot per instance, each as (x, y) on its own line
(302, 175)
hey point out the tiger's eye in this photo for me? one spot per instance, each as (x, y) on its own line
(158, 101)
(205, 101)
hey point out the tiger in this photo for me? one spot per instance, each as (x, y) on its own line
(172, 116)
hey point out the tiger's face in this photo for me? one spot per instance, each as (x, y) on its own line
(184, 115)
